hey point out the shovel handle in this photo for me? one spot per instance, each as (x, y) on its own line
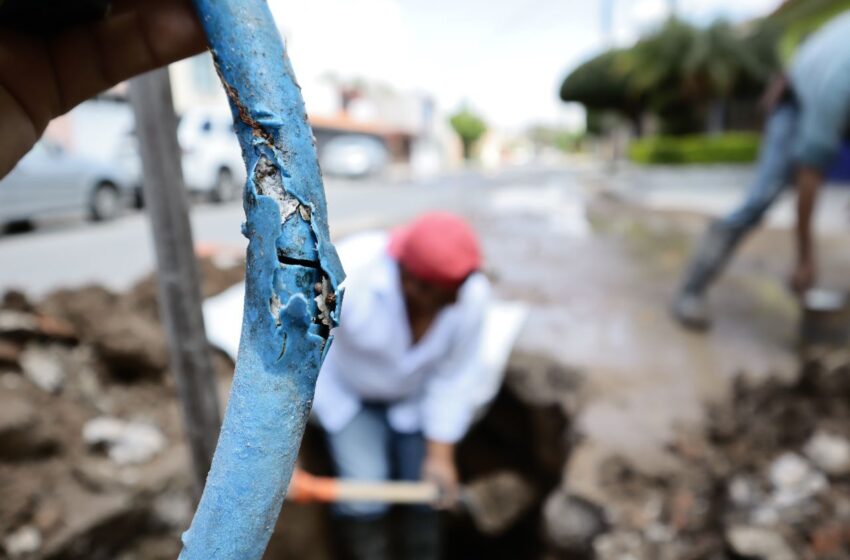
(306, 488)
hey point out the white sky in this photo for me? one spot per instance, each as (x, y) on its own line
(506, 58)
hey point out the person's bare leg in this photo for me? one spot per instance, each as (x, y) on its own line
(808, 183)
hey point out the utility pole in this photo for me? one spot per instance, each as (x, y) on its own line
(178, 278)
(606, 21)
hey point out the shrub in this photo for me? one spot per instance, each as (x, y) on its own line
(695, 149)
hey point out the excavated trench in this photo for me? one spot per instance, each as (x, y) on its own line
(65, 498)
(520, 433)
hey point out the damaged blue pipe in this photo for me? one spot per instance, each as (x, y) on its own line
(292, 298)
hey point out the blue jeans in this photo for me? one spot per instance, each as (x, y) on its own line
(369, 449)
(773, 172)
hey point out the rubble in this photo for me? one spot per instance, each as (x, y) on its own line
(794, 480)
(92, 459)
(126, 443)
(760, 543)
(43, 366)
(830, 452)
(24, 542)
(572, 523)
(96, 464)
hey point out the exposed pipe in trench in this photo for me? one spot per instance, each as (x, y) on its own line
(291, 293)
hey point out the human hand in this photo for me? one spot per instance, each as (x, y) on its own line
(42, 77)
(803, 276)
(439, 468)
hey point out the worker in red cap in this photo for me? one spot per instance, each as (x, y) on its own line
(394, 392)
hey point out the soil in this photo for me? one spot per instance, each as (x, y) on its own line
(640, 441)
(113, 359)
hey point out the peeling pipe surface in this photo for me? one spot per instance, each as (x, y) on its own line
(292, 298)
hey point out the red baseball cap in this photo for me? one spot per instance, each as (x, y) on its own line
(437, 247)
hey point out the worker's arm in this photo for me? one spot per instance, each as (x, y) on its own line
(41, 78)
(439, 467)
(809, 180)
(448, 408)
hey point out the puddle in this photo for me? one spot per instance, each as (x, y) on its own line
(561, 210)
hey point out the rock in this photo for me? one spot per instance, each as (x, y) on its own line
(10, 354)
(621, 545)
(16, 323)
(127, 443)
(100, 524)
(744, 492)
(830, 540)
(16, 416)
(131, 343)
(138, 444)
(103, 430)
(43, 367)
(572, 523)
(759, 543)
(794, 480)
(830, 452)
(15, 300)
(24, 324)
(132, 346)
(22, 436)
(56, 329)
(25, 541)
(173, 509)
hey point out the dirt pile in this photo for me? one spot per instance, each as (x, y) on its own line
(92, 459)
(93, 462)
(768, 479)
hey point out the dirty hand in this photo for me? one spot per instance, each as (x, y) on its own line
(43, 77)
(439, 468)
(803, 277)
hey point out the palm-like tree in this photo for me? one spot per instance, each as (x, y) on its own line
(684, 70)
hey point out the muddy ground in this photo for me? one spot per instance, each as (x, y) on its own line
(642, 441)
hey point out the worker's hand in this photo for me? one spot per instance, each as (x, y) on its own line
(41, 78)
(803, 277)
(439, 468)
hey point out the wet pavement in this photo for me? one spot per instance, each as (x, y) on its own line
(65, 254)
(599, 271)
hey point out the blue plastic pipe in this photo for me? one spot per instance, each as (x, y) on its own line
(291, 292)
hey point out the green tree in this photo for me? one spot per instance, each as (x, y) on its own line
(685, 69)
(469, 127)
(602, 84)
(681, 73)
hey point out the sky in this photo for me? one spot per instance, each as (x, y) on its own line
(504, 58)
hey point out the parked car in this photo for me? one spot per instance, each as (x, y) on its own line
(49, 182)
(354, 156)
(211, 156)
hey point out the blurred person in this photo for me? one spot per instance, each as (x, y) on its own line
(809, 110)
(394, 393)
(44, 76)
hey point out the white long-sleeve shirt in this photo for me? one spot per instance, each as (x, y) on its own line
(427, 386)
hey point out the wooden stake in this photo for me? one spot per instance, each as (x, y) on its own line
(179, 292)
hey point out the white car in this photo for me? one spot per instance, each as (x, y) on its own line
(211, 156)
(50, 182)
(354, 156)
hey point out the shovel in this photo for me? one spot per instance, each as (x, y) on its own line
(494, 503)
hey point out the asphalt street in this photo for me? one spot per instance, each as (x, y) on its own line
(72, 253)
